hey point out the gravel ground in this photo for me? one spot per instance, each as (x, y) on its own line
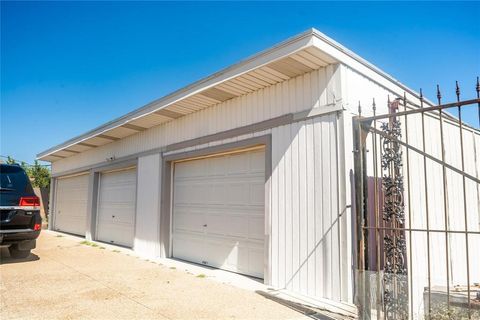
(65, 279)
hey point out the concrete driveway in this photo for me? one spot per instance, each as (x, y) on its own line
(65, 279)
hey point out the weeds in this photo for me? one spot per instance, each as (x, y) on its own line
(201, 275)
(91, 244)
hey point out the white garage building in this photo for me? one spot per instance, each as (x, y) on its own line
(248, 170)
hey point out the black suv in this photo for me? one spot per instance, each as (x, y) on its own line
(20, 221)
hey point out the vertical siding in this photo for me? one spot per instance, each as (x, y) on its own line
(359, 88)
(305, 215)
(454, 217)
(297, 94)
(304, 205)
(146, 242)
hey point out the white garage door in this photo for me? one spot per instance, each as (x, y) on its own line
(71, 204)
(116, 207)
(218, 212)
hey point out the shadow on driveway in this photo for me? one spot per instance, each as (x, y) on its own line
(306, 310)
(6, 259)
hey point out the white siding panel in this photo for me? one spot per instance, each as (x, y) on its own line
(281, 206)
(295, 128)
(310, 221)
(454, 216)
(305, 215)
(428, 195)
(148, 206)
(289, 269)
(278, 99)
(358, 89)
(302, 232)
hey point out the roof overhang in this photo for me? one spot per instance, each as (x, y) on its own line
(303, 53)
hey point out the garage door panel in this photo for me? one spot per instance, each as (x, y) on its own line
(73, 208)
(188, 221)
(182, 190)
(256, 228)
(235, 255)
(224, 255)
(227, 225)
(116, 207)
(121, 212)
(188, 247)
(71, 204)
(238, 164)
(238, 193)
(190, 169)
(255, 262)
(71, 224)
(110, 195)
(257, 161)
(199, 194)
(192, 193)
(257, 193)
(216, 167)
(220, 211)
(119, 178)
(237, 225)
(217, 193)
(117, 233)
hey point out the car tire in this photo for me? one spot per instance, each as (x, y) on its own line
(18, 254)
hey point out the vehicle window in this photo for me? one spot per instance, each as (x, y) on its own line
(13, 179)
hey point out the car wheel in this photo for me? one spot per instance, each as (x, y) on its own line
(18, 254)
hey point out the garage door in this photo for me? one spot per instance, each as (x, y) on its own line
(116, 207)
(218, 212)
(71, 204)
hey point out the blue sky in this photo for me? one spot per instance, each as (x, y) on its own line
(67, 67)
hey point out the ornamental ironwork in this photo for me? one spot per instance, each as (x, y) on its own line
(387, 211)
(395, 281)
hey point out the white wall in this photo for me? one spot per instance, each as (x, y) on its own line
(306, 224)
(306, 250)
(301, 93)
(306, 230)
(435, 199)
(311, 228)
(147, 222)
(357, 87)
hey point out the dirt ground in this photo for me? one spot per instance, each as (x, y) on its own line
(64, 279)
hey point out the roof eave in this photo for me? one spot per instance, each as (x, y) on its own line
(311, 37)
(278, 51)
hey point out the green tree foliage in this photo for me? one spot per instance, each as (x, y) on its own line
(40, 175)
(10, 160)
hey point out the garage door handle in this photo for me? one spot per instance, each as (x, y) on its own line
(113, 216)
(204, 225)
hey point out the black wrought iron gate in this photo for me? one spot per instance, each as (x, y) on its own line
(416, 176)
